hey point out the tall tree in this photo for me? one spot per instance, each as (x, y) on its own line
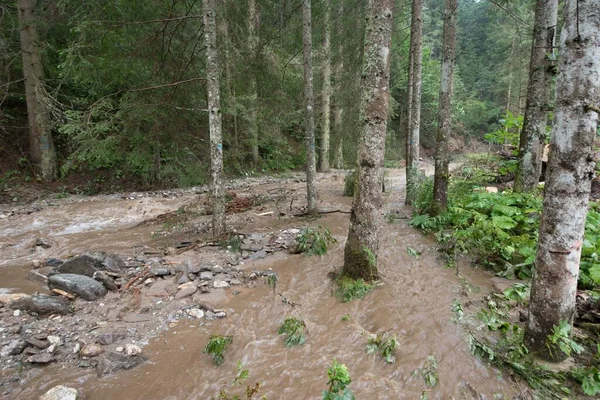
(442, 156)
(41, 145)
(214, 118)
(360, 252)
(338, 111)
(541, 71)
(414, 121)
(252, 48)
(326, 92)
(309, 109)
(570, 173)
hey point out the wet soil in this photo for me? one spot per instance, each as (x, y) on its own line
(414, 300)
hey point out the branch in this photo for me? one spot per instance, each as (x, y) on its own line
(166, 85)
(510, 13)
(152, 21)
(591, 107)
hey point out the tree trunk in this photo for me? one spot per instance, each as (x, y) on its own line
(338, 153)
(214, 118)
(360, 252)
(442, 156)
(229, 78)
(541, 71)
(326, 93)
(569, 176)
(338, 157)
(416, 56)
(41, 145)
(309, 112)
(253, 109)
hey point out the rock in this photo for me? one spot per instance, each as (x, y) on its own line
(55, 340)
(53, 262)
(110, 337)
(186, 290)
(160, 271)
(235, 282)
(42, 358)
(17, 313)
(88, 263)
(120, 349)
(132, 350)
(76, 348)
(162, 288)
(60, 393)
(40, 344)
(251, 247)
(31, 350)
(195, 313)
(194, 268)
(113, 362)
(79, 285)
(183, 279)
(8, 298)
(220, 284)
(43, 243)
(91, 350)
(491, 189)
(39, 275)
(43, 304)
(216, 269)
(257, 255)
(206, 276)
(107, 281)
(13, 348)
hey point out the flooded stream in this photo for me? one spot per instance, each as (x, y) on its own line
(414, 301)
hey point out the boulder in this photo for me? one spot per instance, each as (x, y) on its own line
(60, 393)
(39, 274)
(108, 282)
(8, 298)
(13, 348)
(110, 337)
(91, 350)
(186, 290)
(42, 358)
(79, 285)
(88, 263)
(112, 362)
(43, 304)
(132, 350)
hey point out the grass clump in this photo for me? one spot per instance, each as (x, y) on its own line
(315, 241)
(384, 344)
(338, 382)
(350, 289)
(216, 346)
(294, 329)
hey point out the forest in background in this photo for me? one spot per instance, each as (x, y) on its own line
(125, 83)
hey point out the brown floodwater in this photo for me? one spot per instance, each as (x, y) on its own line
(414, 301)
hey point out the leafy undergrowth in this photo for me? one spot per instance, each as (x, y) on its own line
(294, 329)
(250, 392)
(385, 344)
(216, 346)
(351, 289)
(338, 381)
(315, 241)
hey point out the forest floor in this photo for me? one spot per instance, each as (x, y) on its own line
(177, 287)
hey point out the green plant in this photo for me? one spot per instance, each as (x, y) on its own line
(350, 289)
(241, 376)
(429, 371)
(338, 381)
(517, 292)
(561, 338)
(346, 317)
(294, 328)
(508, 134)
(315, 241)
(216, 346)
(232, 243)
(385, 344)
(413, 253)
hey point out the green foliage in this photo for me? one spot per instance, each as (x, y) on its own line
(338, 381)
(346, 317)
(315, 241)
(295, 329)
(423, 197)
(429, 372)
(508, 134)
(413, 253)
(351, 289)
(241, 376)
(518, 293)
(561, 338)
(232, 243)
(385, 344)
(589, 378)
(216, 346)
(350, 183)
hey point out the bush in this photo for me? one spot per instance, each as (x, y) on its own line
(294, 329)
(315, 241)
(216, 346)
(350, 289)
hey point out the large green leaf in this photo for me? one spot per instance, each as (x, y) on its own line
(501, 209)
(503, 222)
(595, 273)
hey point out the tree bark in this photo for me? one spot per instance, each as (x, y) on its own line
(541, 71)
(338, 153)
(214, 118)
(360, 252)
(569, 176)
(442, 156)
(41, 144)
(309, 109)
(326, 92)
(253, 109)
(416, 60)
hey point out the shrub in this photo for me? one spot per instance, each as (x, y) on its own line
(216, 346)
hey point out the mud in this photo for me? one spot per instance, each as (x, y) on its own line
(414, 301)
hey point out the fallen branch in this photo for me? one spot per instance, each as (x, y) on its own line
(63, 293)
(141, 275)
(322, 212)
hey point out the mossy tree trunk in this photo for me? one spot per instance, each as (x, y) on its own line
(338, 111)
(214, 118)
(570, 172)
(360, 252)
(541, 71)
(415, 81)
(41, 144)
(309, 109)
(253, 109)
(442, 156)
(326, 92)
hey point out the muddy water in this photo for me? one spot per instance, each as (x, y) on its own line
(414, 301)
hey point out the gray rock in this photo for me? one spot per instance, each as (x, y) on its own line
(206, 276)
(195, 313)
(193, 268)
(113, 362)
(257, 255)
(40, 344)
(235, 281)
(43, 304)
(110, 337)
(53, 262)
(13, 348)
(216, 269)
(88, 263)
(252, 247)
(220, 284)
(132, 350)
(91, 350)
(160, 271)
(60, 393)
(79, 285)
(43, 243)
(186, 290)
(108, 282)
(39, 275)
(42, 358)
(183, 279)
